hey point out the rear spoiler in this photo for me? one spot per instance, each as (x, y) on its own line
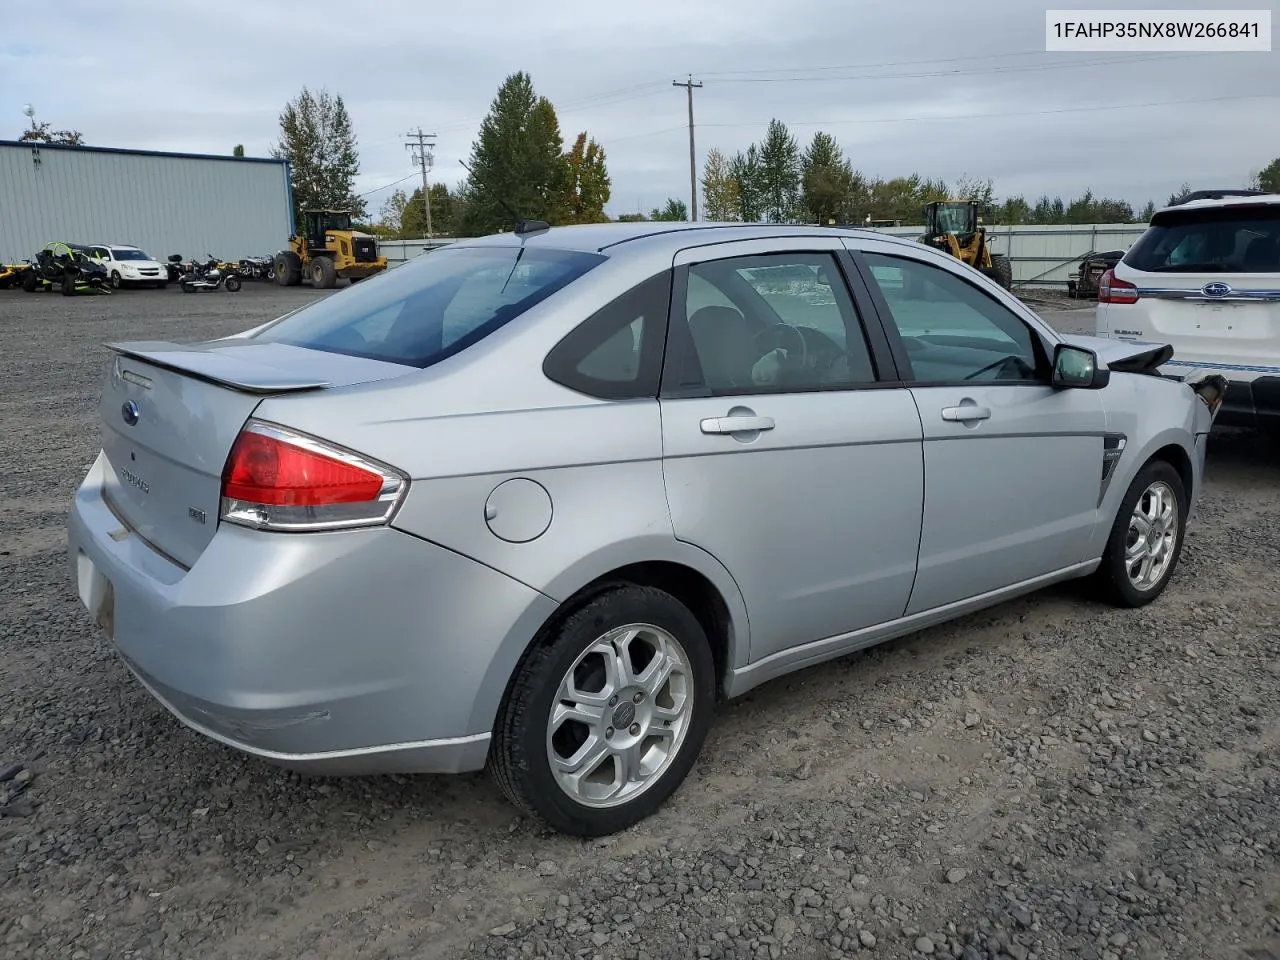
(221, 368)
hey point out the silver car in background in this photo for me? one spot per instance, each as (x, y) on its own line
(536, 501)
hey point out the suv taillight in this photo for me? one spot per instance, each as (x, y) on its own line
(1113, 290)
(279, 479)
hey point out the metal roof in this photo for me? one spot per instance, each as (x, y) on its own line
(36, 145)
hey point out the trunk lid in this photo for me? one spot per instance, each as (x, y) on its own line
(170, 414)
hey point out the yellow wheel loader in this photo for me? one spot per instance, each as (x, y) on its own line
(327, 249)
(954, 227)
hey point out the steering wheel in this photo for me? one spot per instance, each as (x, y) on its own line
(1019, 364)
(778, 344)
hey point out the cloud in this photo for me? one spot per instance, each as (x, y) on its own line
(925, 86)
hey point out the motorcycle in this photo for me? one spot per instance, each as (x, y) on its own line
(209, 276)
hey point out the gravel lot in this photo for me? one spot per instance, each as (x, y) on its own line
(1047, 779)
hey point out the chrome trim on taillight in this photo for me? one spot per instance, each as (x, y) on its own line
(335, 516)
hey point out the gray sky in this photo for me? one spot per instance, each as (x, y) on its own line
(930, 86)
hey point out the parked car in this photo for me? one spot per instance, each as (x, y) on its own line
(130, 266)
(1205, 277)
(536, 501)
(66, 267)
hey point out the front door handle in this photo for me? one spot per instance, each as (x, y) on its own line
(736, 424)
(966, 413)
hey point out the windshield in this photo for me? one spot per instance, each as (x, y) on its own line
(1219, 240)
(954, 218)
(118, 254)
(434, 306)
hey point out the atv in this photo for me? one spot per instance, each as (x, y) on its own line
(11, 274)
(66, 267)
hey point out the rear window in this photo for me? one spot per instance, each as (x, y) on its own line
(436, 305)
(1220, 240)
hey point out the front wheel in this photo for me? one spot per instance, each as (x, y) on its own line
(115, 279)
(607, 713)
(233, 284)
(68, 285)
(1146, 539)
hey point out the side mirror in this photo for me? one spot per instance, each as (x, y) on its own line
(1078, 367)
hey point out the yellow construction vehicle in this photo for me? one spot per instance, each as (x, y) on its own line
(954, 227)
(326, 249)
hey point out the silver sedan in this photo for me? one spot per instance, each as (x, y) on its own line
(535, 502)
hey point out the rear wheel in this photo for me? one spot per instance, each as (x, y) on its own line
(68, 285)
(323, 274)
(232, 284)
(1146, 539)
(606, 713)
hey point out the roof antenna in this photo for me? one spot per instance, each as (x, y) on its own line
(522, 226)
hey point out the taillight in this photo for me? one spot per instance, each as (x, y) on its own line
(1111, 289)
(279, 479)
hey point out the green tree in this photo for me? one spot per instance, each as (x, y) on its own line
(319, 141)
(631, 218)
(974, 188)
(1269, 177)
(517, 161)
(780, 173)
(674, 210)
(1183, 192)
(41, 133)
(1014, 210)
(587, 184)
(828, 183)
(392, 214)
(747, 176)
(238, 151)
(720, 199)
(1147, 213)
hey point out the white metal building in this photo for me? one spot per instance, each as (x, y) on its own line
(165, 203)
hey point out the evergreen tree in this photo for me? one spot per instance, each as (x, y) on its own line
(719, 189)
(780, 173)
(827, 180)
(517, 160)
(586, 182)
(1269, 177)
(675, 210)
(238, 151)
(318, 140)
(747, 176)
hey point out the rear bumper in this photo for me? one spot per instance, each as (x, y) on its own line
(353, 652)
(1252, 403)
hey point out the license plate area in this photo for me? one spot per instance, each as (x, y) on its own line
(97, 594)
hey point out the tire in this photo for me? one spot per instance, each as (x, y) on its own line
(520, 755)
(1114, 582)
(288, 269)
(187, 288)
(1001, 270)
(29, 281)
(115, 279)
(232, 284)
(68, 285)
(323, 274)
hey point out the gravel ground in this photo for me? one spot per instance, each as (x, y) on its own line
(1047, 779)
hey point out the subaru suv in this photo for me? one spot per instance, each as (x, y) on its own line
(1205, 279)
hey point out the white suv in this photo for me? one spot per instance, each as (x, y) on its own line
(129, 265)
(1205, 278)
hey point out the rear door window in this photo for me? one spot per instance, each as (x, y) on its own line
(434, 306)
(1231, 239)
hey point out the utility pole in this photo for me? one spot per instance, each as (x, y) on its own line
(693, 163)
(422, 156)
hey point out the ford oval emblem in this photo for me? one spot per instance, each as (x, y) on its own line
(130, 412)
(1216, 289)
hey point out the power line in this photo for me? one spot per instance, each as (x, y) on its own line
(370, 193)
(418, 143)
(689, 86)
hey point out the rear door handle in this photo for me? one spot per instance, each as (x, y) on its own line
(736, 424)
(965, 413)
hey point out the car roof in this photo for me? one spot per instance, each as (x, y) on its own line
(1206, 203)
(603, 237)
(116, 246)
